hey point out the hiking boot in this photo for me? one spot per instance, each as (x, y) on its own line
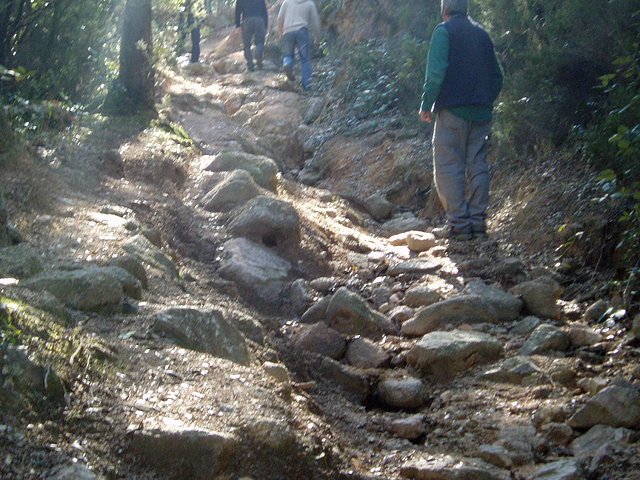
(450, 233)
(288, 71)
(259, 63)
(250, 67)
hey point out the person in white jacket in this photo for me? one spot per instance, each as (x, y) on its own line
(295, 19)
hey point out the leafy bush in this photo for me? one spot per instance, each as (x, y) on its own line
(385, 74)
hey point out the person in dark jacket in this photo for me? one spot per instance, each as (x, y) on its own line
(462, 82)
(252, 17)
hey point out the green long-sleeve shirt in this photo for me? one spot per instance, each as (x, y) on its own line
(437, 64)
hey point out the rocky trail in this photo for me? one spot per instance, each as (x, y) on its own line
(240, 303)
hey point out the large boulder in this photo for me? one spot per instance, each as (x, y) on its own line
(237, 188)
(545, 338)
(540, 296)
(507, 306)
(444, 354)
(260, 273)
(453, 311)
(615, 406)
(349, 313)
(263, 169)
(447, 467)
(320, 339)
(196, 454)
(203, 331)
(19, 261)
(90, 289)
(267, 220)
(146, 252)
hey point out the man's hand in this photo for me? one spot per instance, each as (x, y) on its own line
(425, 116)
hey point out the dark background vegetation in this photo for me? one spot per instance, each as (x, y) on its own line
(572, 75)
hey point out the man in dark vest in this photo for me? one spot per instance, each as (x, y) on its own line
(252, 17)
(463, 80)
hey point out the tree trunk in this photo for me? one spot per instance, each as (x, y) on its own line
(136, 69)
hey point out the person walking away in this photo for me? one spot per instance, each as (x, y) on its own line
(295, 19)
(253, 19)
(463, 80)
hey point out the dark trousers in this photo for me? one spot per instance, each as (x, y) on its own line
(253, 31)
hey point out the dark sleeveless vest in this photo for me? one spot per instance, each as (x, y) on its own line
(468, 80)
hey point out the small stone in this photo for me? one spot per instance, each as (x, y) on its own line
(277, 371)
(403, 392)
(411, 427)
(596, 310)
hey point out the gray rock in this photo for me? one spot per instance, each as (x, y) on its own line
(267, 220)
(569, 469)
(22, 380)
(272, 434)
(317, 312)
(411, 427)
(75, 471)
(19, 261)
(323, 284)
(379, 207)
(350, 314)
(596, 310)
(318, 338)
(496, 455)
(418, 266)
(510, 266)
(401, 392)
(526, 325)
(277, 371)
(237, 188)
(545, 338)
(583, 336)
(131, 286)
(347, 378)
(312, 109)
(456, 310)
(299, 296)
(203, 331)
(587, 445)
(447, 467)
(196, 454)
(91, 289)
(404, 223)
(134, 266)
(421, 296)
(507, 306)
(400, 314)
(557, 433)
(615, 406)
(444, 354)
(516, 370)
(259, 272)
(263, 169)
(421, 241)
(614, 457)
(145, 251)
(540, 296)
(363, 353)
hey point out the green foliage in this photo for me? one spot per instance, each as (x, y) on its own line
(614, 141)
(8, 331)
(385, 74)
(628, 194)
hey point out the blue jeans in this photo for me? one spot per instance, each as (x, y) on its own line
(300, 40)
